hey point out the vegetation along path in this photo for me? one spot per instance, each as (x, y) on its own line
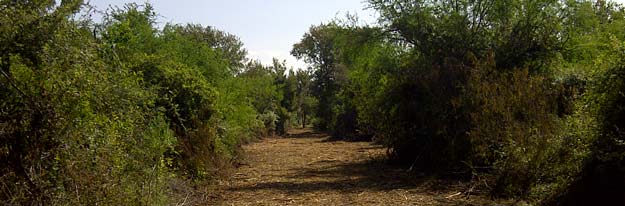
(309, 169)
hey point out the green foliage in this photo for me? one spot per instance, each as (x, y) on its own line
(197, 47)
(74, 129)
(517, 127)
(521, 33)
(241, 120)
(609, 98)
(304, 102)
(184, 95)
(272, 93)
(228, 48)
(598, 124)
(526, 93)
(110, 113)
(478, 88)
(317, 48)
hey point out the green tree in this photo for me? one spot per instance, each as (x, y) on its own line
(304, 101)
(317, 48)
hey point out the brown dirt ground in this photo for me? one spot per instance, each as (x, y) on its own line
(308, 169)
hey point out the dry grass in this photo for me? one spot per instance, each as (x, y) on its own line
(307, 169)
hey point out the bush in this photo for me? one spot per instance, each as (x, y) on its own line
(110, 113)
(600, 180)
(515, 127)
(75, 130)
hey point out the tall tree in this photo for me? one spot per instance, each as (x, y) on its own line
(305, 102)
(317, 48)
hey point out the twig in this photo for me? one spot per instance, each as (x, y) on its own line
(10, 80)
(184, 201)
(415, 161)
(453, 195)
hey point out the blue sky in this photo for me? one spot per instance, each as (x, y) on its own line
(268, 28)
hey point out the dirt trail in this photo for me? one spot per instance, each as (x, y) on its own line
(307, 169)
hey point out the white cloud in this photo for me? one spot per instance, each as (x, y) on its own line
(266, 58)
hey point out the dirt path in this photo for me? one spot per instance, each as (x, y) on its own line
(307, 169)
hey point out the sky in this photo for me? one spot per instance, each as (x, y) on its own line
(267, 28)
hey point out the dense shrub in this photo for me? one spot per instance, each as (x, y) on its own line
(74, 129)
(470, 88)
(109, 113)
(516, 127)
(601, 180)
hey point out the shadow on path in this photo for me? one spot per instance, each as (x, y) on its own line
(333, 175)
(305, 168)
(307, 134)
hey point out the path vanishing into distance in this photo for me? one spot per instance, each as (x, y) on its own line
(307, 168)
